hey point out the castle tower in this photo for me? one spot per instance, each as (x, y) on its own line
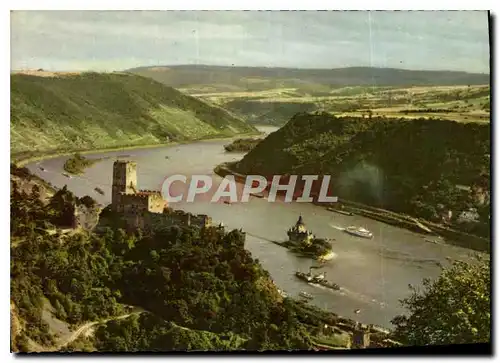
(299, 234)
(124, 181)
(300, 226)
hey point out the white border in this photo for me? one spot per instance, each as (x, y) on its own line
(255, 5)
(182, 5)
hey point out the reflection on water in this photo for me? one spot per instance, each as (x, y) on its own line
(373, 274)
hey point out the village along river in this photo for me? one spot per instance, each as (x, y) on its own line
(374, 274)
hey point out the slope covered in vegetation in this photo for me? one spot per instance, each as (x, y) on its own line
(181, 288)
(412, 167)
(96, 110)
(200, 280)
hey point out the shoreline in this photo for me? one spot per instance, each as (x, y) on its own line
(414, 224)
(22, 161)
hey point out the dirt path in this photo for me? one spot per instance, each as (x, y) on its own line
(84, 328)
(68, 339)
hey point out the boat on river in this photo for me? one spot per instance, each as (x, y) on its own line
(346, 213)
(359, 232)
(99, 190)
(306, 295)
(319, 279)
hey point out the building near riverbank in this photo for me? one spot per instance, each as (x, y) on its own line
(145, 208)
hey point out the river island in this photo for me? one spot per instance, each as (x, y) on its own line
(305, 243)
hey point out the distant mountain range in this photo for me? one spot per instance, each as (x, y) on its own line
(249, 78)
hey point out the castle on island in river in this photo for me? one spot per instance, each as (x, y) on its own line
(299, 234)
(145, 208)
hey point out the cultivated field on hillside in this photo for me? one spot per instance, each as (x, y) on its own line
(274, 95)
(276, 106)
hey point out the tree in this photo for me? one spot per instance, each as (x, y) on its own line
(454, 309)
(87, 201)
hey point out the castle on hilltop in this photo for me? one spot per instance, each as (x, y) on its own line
(145, 208)
(126, 198)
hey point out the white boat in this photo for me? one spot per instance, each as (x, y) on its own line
(359, 232)
(306, 295)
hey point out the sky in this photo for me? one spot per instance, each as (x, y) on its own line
(118, 40)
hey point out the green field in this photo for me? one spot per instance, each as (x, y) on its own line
(459, 103)
(274, 95)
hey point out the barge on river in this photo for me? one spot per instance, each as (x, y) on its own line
(340, 211)
(306, 295)
(317, 279)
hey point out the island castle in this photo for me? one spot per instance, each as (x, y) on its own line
(145, 208)
(298, 234)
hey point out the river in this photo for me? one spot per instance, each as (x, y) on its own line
(374, 274)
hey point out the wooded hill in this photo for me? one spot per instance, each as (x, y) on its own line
(200, 288)
(98, 110)
(408, 166)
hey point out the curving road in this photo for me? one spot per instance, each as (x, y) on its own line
(374, 273)
(67, 339)
(64, 341)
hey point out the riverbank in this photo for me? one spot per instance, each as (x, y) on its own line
(23, 158)
(332, 331)
(418, 225)
(452, 236)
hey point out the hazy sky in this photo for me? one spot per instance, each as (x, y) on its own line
(111, 40)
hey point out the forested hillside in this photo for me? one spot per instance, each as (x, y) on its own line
(97, 110)
(184, 288)
(407, 166)
(202, 281)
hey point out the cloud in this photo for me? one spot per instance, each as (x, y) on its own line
(326, 39)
